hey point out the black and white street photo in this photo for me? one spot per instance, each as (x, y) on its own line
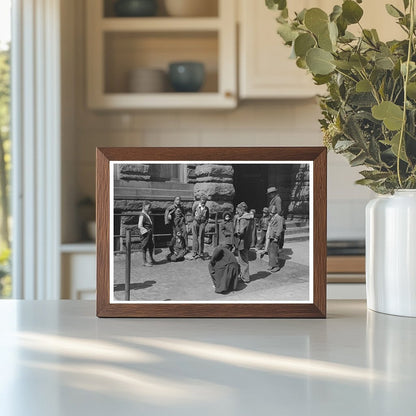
(211, 232)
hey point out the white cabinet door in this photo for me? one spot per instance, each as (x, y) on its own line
(265, 68)
(78, 276)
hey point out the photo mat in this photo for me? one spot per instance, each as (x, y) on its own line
(193, 277)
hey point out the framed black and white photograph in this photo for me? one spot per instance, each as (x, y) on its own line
(211, 232)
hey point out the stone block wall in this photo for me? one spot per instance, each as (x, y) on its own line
(299, 198)
(216, 183)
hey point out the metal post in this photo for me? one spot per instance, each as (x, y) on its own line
(217, 230)
(128, 264)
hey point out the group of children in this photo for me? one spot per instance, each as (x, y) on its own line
(267, 233)
(239, 232)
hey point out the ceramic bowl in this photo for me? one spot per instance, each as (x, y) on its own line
(147, 80)
(135, 8)
(186, 76)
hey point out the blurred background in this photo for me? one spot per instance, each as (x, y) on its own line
(99, 73)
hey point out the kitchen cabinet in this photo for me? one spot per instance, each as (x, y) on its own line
(78, 262)
(265, 70)
(118, 45)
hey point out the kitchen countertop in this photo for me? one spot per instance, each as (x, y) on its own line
(57, 358)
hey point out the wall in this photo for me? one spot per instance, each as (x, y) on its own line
(254, 123)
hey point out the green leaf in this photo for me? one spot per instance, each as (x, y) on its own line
(358, 61)
(276, 4)
(319, 61)
(411, 90)
(406, 4)
(321, 79)
(303, 43)
(375, 35)
(301, 15)
(394, 143)
(374, 174)
(351, 11)
(301, 63)
(358, 160)
(342, 25)
(336, 12)
(384, 62)
(393, 11)
(388, 112)
(343, 145)
(344, 65)
(347, 37)
(363, 86)
(325, 42)
(316, 20)
(287, 33)
(333, 32)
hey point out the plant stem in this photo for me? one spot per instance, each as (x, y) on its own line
(406, 80)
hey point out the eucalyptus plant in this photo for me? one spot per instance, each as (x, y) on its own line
(369, 111)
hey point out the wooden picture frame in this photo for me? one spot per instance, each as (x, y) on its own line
(314, 157)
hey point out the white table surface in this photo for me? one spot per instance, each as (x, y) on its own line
(57, 358)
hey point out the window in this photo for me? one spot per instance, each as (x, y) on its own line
(5, 159)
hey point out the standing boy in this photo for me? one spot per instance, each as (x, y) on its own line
(273, 239)
(145, 226)
(243, 229)
(200, 213)
(263, 225)
(175, 216)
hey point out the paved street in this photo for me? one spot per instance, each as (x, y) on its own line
(190, 280)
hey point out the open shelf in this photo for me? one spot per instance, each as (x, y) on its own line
(126, 51)
(119, 45)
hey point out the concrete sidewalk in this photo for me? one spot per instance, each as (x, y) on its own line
(190, 280)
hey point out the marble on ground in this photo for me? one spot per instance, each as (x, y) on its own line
(189, 280)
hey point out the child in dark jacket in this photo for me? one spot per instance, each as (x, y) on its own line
(227, 230)
(177, 248)
(263, 225)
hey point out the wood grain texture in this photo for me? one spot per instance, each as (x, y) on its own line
(317, 309)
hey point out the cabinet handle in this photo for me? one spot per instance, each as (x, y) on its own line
(229, 94)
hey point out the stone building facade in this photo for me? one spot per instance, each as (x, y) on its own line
(224, 185)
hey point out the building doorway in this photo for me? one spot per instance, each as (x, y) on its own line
(250, 182)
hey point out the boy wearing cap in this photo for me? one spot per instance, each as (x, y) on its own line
(243, 229)
(227, 230)
(200, 213)
(263, 225)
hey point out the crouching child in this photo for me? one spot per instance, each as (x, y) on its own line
(177, 248)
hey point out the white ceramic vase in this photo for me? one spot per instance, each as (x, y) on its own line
(391, 253)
